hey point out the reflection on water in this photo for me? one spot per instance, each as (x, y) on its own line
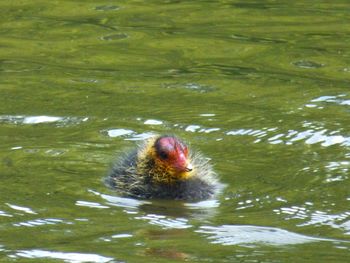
(310, 136)
(207, 204)
(41, 119)
(153, 122)
(120, 201)
(41, 222)
(66, 257)
(316, 218)
(166, 214)
(2, 213)
(119, 132)
(339, 99)
(313, 134)
(260, 87)
(166, 222)
(254, 235)
(21, 208)
(91, 204)
(307, 64)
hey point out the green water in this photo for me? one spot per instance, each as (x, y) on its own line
(259, 87)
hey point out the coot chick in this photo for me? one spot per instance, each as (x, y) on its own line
(163, 167)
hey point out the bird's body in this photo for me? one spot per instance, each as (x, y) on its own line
(162, 167)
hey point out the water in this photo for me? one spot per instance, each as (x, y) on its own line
(260, 87)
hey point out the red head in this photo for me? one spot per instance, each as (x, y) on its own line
(173, 153)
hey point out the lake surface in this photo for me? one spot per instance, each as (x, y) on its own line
(259, 87)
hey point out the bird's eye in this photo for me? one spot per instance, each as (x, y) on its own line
(163, 155)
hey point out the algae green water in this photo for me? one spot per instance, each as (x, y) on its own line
(259, 87)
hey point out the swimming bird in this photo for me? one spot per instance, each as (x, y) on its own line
(163, 167)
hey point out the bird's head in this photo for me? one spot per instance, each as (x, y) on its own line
(171, 159)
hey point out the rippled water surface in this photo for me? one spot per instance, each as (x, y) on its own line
(259, 87)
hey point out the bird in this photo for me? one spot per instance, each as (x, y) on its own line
(163, 167)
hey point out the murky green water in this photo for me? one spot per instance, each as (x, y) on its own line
(260, 87)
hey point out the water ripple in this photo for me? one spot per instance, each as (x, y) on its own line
(120, 201)
(192, 128)
(316, 218)
(119, 132)
(107, 8)
(41, 222)
(309, 136)
(21, 208)
(67, 257)
(128, 135)
(140, 136)
(153, 122)
(165, 222)
(197, 128)
(203, 204)
(18, 119)
(2, 213)
(338, 99)
(116, 236)
(307, 64)
(115, 37)
(253, 235)
(90, 204)
(332, 220)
